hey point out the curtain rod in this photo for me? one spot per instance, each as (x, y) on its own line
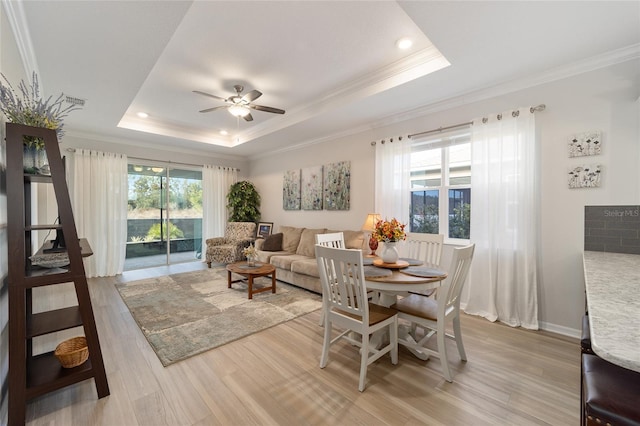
(180, 164)
(161, 161)
(540, 107)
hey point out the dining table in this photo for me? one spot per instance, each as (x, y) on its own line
(399, 279)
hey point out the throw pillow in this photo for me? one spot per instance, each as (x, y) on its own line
(307, 246)
(290, 238)
(273, 242)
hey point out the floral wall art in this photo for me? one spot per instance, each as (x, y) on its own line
(312, 188)
(586, 176)
(337, 186)
(587, 143)
(291, 190)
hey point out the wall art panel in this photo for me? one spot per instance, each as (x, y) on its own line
(312, 188)
(291, 190)
(587, 176)
(337, 186)
(583, 144)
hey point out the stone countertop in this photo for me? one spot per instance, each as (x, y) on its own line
(612, 283)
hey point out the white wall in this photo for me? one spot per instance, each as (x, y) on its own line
(603, 100)
(267, 175)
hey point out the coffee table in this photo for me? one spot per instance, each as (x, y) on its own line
(251, 272)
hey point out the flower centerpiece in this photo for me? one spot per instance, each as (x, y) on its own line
(389, 232)
(250, 253)
(29, 108)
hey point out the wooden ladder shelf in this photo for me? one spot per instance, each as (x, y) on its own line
(34, 375)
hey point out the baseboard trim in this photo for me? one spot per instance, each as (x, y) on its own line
(559, 329)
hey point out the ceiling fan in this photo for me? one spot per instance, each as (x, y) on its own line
(240, 105)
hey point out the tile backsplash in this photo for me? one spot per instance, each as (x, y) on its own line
(613, 229)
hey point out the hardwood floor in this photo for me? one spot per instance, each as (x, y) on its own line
(512, 377)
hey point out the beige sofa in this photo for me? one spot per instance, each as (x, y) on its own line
(296, 263)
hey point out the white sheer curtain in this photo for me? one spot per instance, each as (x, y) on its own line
(504, 200)
(392, 186)
(98, 182)
(216, 182)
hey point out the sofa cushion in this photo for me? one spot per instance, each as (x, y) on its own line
(352, 239)
(284, 262)
(273, 242)
(306, 267)
(265, 256)
(308, 242)
(290, 238)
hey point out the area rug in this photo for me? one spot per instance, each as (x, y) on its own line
(186, 314)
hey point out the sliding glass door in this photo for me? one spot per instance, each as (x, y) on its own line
(164, 215)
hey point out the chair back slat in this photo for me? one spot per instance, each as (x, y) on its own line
(333, 239)
(341, 274)
(426, 247)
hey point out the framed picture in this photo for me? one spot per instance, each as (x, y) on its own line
(587, 143)
(587, 176)
(264, 229)
(291, 190)
(311, 198)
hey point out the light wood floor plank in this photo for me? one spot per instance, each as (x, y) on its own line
(513, 376)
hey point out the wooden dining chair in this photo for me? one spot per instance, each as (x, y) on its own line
(427, 248)
(345, 304)
(335, 240)
(433, 315)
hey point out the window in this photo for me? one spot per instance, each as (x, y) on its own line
(441, 185)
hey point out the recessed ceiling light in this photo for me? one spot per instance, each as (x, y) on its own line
(143, 114)
(404, 43)
(224, 132)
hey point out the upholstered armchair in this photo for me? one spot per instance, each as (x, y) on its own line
(228, 249)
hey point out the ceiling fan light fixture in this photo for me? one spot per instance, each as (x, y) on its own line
(239, 110)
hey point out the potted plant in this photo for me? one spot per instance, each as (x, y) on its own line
(29, 108)
(243, 202)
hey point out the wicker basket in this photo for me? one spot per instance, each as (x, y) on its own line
(72, 352)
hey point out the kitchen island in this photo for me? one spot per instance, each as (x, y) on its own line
(612, 282)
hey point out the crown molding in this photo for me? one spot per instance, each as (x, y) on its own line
(18, 23)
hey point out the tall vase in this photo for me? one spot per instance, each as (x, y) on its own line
(390, 253)
(35, 160)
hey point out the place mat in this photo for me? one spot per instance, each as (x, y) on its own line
(375, 272)
(423, 272)
(412, 262)
(368, 260)
(398, 265)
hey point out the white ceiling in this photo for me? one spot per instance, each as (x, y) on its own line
(333, 66)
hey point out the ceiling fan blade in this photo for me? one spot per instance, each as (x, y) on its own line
(248, 117)
(252, 96)
(209, 95)
(214, 108)
(267, 109)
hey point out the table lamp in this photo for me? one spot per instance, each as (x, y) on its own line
(369, 226)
